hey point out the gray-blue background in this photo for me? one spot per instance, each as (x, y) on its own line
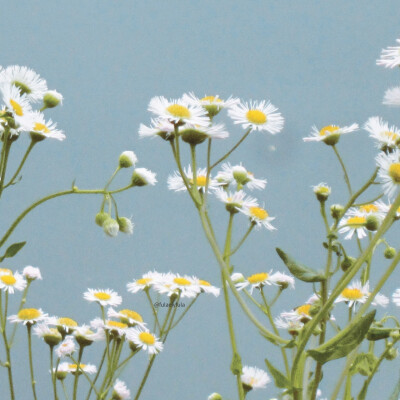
(314, 60)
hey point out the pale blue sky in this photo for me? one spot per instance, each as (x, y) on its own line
(314, 60)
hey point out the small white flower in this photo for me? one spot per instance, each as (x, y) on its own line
(114, 327)
(144, 340)
(282, 279)
(262, 116)
(392, 97)
(147, 280)
(206, 101)
(40, 129)
(301, 313)
(11, 282)
(385, 136)
(127, 159)
(206, 287)
(259, 216)
(293, 326)
(64, 324)
(126, 316)
(389, 171)
(176, 183)
(31, 273)
(158, 127)
(125, 225)
(380, 300)
(83, 334)
(254, 378)
(256, 281)
(237, 277)
(110, 227)
(104, 297)
(121, 392)
(173, 284)
(50, 335)
(28, 316)
(390, 57)
(235, 199)
(329, 132)
(384, 208)
(89, 369)
(18, 105)
(396, 297)
(238, 174)
(66, 348)
(353, 294)
(143, 177)
(353, 224)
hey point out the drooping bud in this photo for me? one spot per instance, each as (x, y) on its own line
(143, 177)
(125, 225)
(347, 263)
(372, 223)
(111, 227)
(389, 253)
(101, 217)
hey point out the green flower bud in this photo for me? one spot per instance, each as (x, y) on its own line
(193, 136)
(372, 223)
(127, 159)
(317, 331)
(214, 396)
(101, 217)
(84, 340)
(212, 110)
(61, 375)
(336, 211)
(143, 177)
(347, 263)
(240, 174)
(36, 136)
(53, 338)
(332, 139)
(125, 225)
(389, 253)
(395, 334)
(111, 227)
(322, 191)
(392, 354)
(314, 309)
(52, 99)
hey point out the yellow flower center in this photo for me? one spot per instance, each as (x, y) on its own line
(27, 314)
(256, 117)
(66, 322)
(74, 366)
(369, 208)
(352, 294)
(326, 130)
(390, 135)
(132, 314)
(204, 283)
(211, 99)
(182, 282)
(5, 271)
(258, 213)
(116, 324)
(143, 281)
(323, 189)
(17, 108)
(356, 221)
(8, 279)
(394, 172)
(147, 338)
(201, 180)
(41, 127)
(257, 278)
(304, 309)
(179, 111)
(102, 296)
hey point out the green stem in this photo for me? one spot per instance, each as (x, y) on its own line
(77, 372)
(53, 375)
(7, 147)
(28, 150)
(208, 171)
(346, 176)
(153, 309)
(184, 313)
(237, 247)
(98, 373)
(112, 177)
(64, 389)
(23, 301)
(33, 382)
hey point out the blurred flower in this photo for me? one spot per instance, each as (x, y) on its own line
(385, 136)
(389, 171)
(176, 183)
(11, 282)
(254, 378)
(31, 273)
(147, 280)
(120, 392)
(66, 348)
(392, 97)
(129, 317)
(390, 57)
(238, 174)
(256, 281)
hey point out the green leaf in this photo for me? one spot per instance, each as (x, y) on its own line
(300, 271)
(344, 342)
(280, 379)
(364, 364)
(13, 250)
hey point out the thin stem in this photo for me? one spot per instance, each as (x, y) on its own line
(98, 372)
(346, 176)
(208, 171)
(153, 309)
(77, 372)
(64, 389)
(237, 247)
(23, 301)
(28, 150)
(33, 382)
(53, 375)
(7, 145)
(185, 312)
(112, 177)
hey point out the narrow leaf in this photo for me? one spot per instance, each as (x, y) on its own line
(13, 250)
(280, 379)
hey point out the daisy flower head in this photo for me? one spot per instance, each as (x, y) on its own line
(52, 99)
(235, 200)
(89, 369)
(28, 316)
(65, 325)
(178, 111)
(353, 294)
(120, 391)
(353, 224)
(241, 176)
(392, 97)
(40, 129)
(256, 281)
(61, 371)
(143, 339)
(85, 336)
(213, 104)
(386, 137)
(11, 282)
(145, 282)
(115, 328)
(195, 135)
(389, 171)
(322, 191)
(390, 57)
(50, 335)
(300, 313)
(396, 297)
(206, 287)
(282, 279)
(384, 209)
(176, 183)
(258, 216)
(143, 177)
(175, 284)
(329, 134)
(129, 317)
(66, 348)
(18, 105)
(293, 326)
(237, 277)
(158, 127)
(104, 297)
(254, 378)
(27, 81)
(261, 116)
(31, 273)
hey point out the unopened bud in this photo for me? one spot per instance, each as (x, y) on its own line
(391, 354)
(52, 99)
(127, 159)
(347, 263)
(125, 225)
(101, 217)
(372, 223)
(111, 227)
(389, 253)
(214, 396)
(336, 210)
(322, 191)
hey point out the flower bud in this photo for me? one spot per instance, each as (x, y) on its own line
(347, 263)
(336, 210)
(214, 396)
(395, 334)
(111, 227)
(125, 225)
(322, 191)
(143, 177)
(389, 253)
(53, 338)
(31, 273)
(61, 375)
(240, 175)
(372, 223)
(392, 354)
(193, 136)
(237, 277)
(127, 159)
(101, 217)
(52, 99)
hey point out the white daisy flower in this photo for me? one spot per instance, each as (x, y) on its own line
(301, 313)
(392, 97)
(293, 326)
(143, 177)
(11, 282)
(28, 316)
(26, 80)
(50, 335)
(85, 336)
(114, 327)
(158, 127)
(235, 200)
(65, 325)
(40, 129)
(61, 371)
(353, 294)
(282, 279)
(380, 131)
(198, 134)
(145, 340)
(178, 111)
(129, 317)
(120, 392)
(147, 280)
(176, 183)
(380, 300)
(66, 348)
(389, 171)
(367, 210)
(353, 224)
(396, 297)
(390, 57)
(31, 273)
(237, 277)
(238, 174)
(261, 116)
(384, 208)
(256, 281)
(258, 216)
(254, 378)
(329, 134)
(210, 101)
(104, 297)
(173, 284)
(206, 287)
(18, 105)
(89, 369)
